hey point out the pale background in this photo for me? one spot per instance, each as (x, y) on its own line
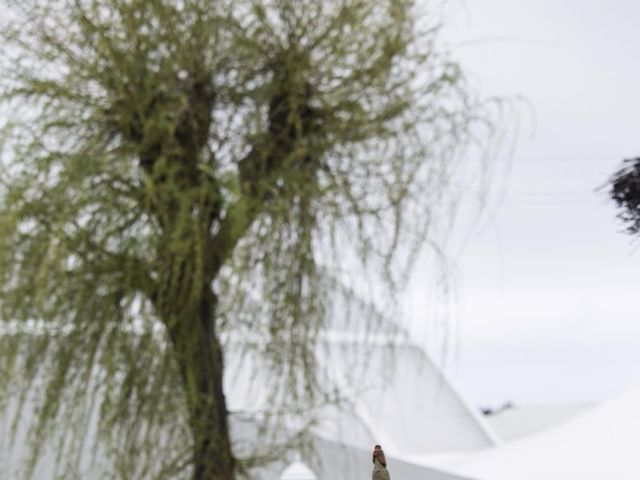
(545, 304)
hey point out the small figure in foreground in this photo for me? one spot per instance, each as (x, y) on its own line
(380, 471)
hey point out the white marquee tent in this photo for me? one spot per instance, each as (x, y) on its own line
(396, 396)
(601, 444)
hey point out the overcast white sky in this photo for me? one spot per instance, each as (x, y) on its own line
(548, 306)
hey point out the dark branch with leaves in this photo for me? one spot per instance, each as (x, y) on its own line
(625, 191)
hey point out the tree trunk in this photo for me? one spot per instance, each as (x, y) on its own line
(200, 360)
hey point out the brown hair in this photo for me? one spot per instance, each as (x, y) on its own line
(377, 452)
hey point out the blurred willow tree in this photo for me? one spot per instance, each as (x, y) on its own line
(179, 176)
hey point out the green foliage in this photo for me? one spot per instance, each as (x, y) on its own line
(162, 156)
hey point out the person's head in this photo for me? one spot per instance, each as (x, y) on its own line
(379, 454)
